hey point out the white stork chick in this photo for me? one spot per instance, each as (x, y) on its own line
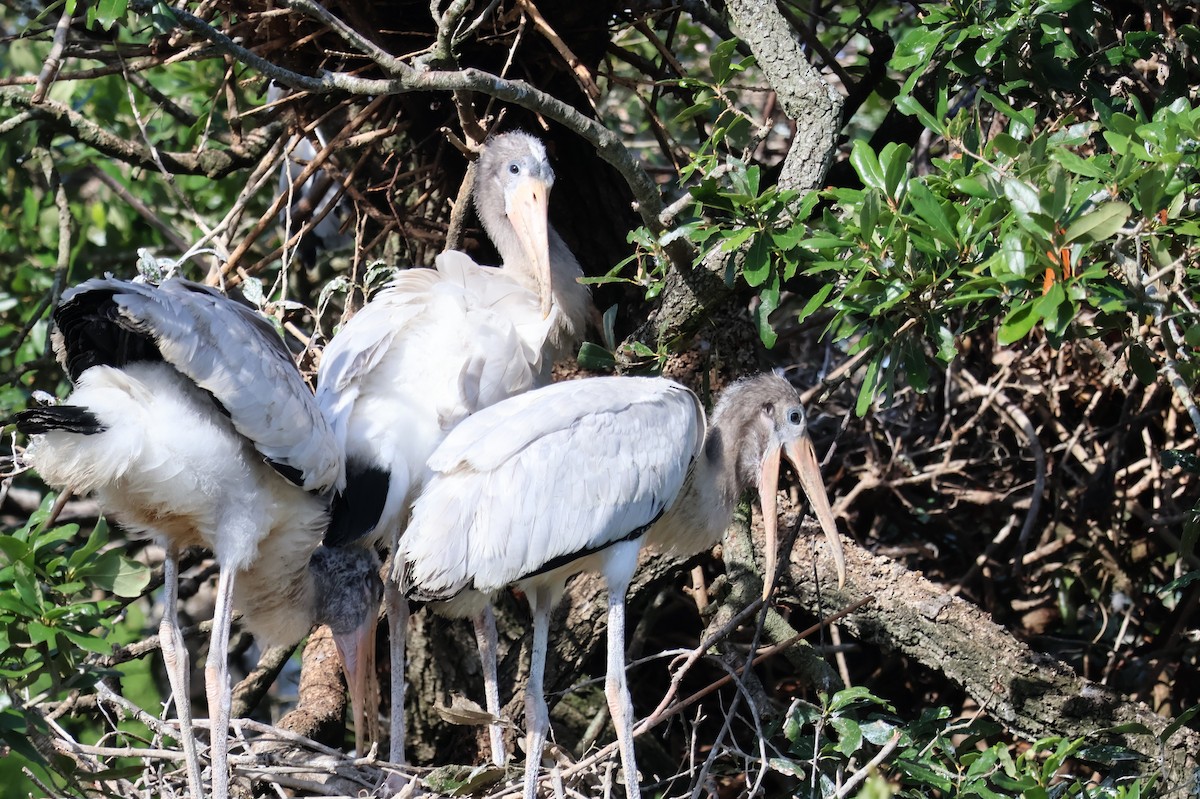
(435, 346)
(575, 477)
(190, 423)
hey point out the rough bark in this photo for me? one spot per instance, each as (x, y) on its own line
(1031, 694)
(321, 705)
(692, 292)
(805, 97)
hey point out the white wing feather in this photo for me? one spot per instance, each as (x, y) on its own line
(431, 348)
(236, 356)
(537, 479)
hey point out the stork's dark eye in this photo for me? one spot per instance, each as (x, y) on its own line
(794, 416)
(514, 168)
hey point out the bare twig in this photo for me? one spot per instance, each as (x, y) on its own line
(607, 143)
(54, 57)
(582, 75)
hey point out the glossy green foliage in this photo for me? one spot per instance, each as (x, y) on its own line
(937, 755)
(1025, 230)
(51, 619)
(1029, 216)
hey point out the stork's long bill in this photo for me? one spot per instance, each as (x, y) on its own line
(528, 207)
(357, 652)
(803, 458)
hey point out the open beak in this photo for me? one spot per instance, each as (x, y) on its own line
(803, 458)
(528, 206)
(357, 653)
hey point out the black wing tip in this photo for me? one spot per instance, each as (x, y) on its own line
(287, 471)
(65, 418)
(92, 331)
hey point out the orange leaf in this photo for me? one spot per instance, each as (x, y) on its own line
(1048, 281)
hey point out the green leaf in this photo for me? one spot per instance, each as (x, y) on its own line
(642, 351)
(916, 48)
(13, 548)
(908, 105)
(1017, 323)
(863, 159)
(854, 695)
(929, 208)
(768, 301)
(878, 732)
(1080, 166)
(117, 574)
(973, 187)
(868, 214)
(89, 642)
(59, 534)
(109, 11)
(850, 736)
(732, 239)
(1024, 198)
(894, 160)
(1099, 224)
(594, 357)
(866, 393)
(1180, 720)
(96, 539)
(924, 776)
(814, 302)
(987, 51)
(756, 267)
(718, 62)
(41, 634)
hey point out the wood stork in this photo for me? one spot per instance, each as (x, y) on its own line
(190, 423)
(437, 345)
(577, 476)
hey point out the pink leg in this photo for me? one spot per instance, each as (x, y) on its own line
(537, 717)
(216, 684)
(175, 657)
(485, 638)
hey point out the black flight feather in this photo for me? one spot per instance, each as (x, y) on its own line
(355, 512)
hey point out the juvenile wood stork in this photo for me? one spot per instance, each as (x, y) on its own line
(437, 345)
(190, 423)
(575, 477)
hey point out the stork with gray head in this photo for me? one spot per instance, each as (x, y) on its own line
(190, 424)
(578, 476)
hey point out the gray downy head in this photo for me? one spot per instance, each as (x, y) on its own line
(348, 586)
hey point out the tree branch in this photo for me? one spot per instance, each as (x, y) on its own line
(692, 291)
(212, 163)
(1032, 694)
(608, 144)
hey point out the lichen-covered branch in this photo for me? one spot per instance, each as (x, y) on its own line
(1032, 694)
(214, 163)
